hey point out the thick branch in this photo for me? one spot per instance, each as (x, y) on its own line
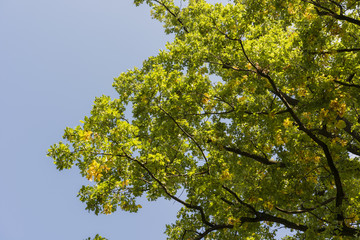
(348, 81)
(350, 147)
(188, 205)
(251, 208)
(257, 158)
(261, 216)
(304, 210)
(353, 149)
(339, 188)
(327, 12)
(343, 17)
(337, 51)
(347, 84)
(290, 100)
(214, 228)
(347, 129)
(285, 222)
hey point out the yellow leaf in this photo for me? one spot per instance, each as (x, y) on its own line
(241, 99)
(339, 107)
(317, 159)
(206, 98)
(107, 209)
(85, 136)
(323, 113)
(307, 115)
(225, 175)
(124, 183)
(340, 124)
(144, 99)
(234, 221)
(302, 92)
(269, 205)
(94, 171)
(287, 123)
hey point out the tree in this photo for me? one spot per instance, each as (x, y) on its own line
(252, 112)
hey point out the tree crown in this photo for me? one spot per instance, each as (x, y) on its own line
(252, 111)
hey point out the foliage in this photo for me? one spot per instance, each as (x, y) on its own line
(252, 111)
(97, 237)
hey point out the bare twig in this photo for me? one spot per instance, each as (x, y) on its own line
(186, 133)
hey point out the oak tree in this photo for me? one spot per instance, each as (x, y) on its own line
(252, 113)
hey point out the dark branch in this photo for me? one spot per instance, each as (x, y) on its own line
(173, 14)
(290, 100)
(227, 201)
(327, 12)
(347, 84)
(251, 208)
(188, 205)
(353, 149)
(186, 133)
(208, 113)
(339, 188)
(348, 128)
(257, 158)
(336, 51)
(303, 209)
(214, 228)
(266, 112)
(350, 147)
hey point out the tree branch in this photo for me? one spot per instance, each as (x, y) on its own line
(211, 229)
(173, 14)
(353, 149)
(336, 51)
(350, 147)
(327, 12)
(304, 210)
(347, 84)
(262, 216)
(348, 127)
(257, 158)
(186, 133)
(188, 205)
(339, 188)
(252, 209)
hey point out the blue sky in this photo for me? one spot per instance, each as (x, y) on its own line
(56, 56)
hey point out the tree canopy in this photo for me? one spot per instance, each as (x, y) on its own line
(250, 119)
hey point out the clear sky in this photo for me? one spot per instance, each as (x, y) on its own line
(55, 57)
